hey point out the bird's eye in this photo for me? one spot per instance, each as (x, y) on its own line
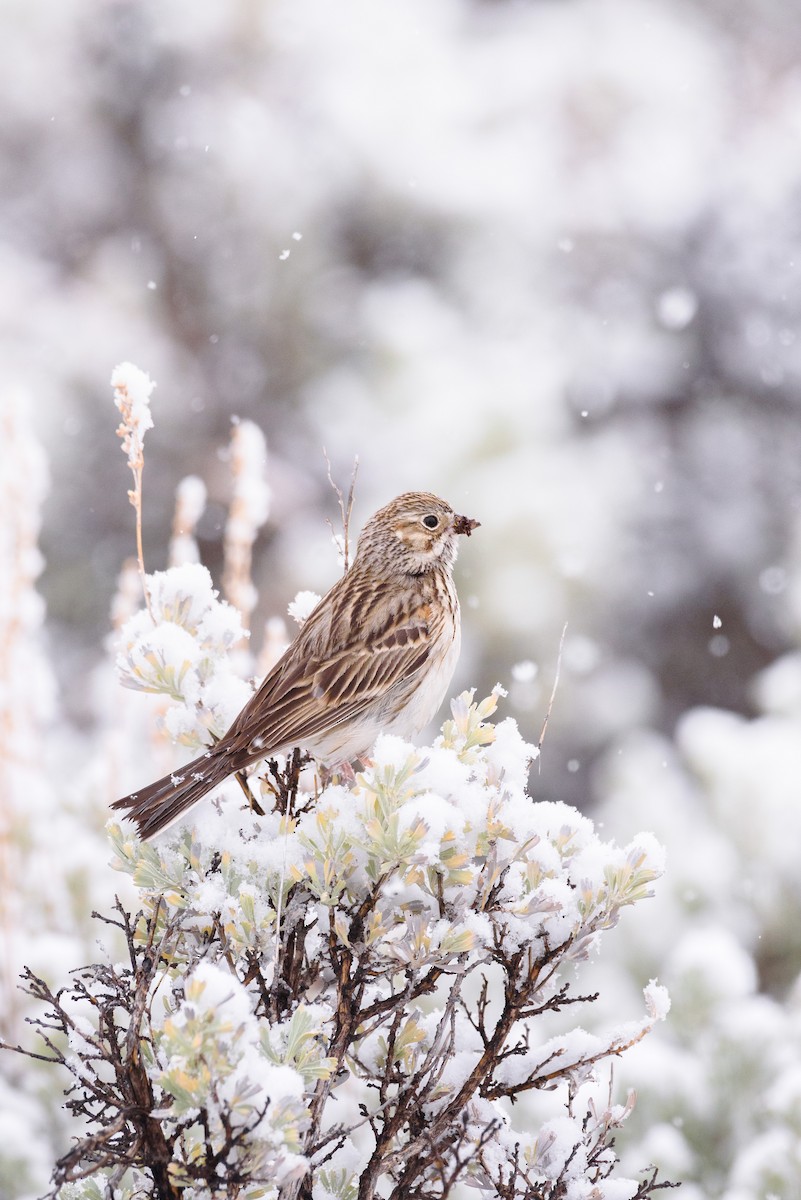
(431, 522)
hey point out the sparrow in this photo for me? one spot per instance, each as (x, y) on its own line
(375, 655)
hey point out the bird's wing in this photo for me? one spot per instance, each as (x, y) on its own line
(321, 683)
(339, 690)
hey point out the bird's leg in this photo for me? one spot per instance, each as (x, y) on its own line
(340, 773)
(343, 772)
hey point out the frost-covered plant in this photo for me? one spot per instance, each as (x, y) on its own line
(342, 997)
(339, 991)
(180, 652)
(727, 1114)
(53, 857)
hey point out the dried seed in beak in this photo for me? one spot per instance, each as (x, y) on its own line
(464, 524)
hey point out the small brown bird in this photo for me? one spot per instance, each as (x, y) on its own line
(376, 655)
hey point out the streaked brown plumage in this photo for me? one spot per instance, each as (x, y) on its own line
(376, 655)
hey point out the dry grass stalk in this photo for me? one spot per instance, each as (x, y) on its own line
(132, 389)
(249, 509)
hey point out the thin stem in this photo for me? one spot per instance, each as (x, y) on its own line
(553, 689)
(136, 500)
(345, 506)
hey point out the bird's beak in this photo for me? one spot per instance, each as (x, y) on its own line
(464, 524)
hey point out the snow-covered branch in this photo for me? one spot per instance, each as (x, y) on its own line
(337, 998)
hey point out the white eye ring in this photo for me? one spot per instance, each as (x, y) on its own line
(430, 521)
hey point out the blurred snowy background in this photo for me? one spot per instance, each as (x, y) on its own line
(540, 256)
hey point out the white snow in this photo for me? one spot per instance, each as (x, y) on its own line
(677, 306)
(191, 495)
(301, 608)
(132, 391)
(657, 1001)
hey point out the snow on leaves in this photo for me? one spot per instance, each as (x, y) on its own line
(185, 654)
(365, 968)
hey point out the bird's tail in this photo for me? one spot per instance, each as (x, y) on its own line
(159, 804)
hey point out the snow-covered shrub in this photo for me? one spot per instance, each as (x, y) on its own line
(179, 650)
(340, 990)
(53, 855)
(726, 1116)
(342, 996)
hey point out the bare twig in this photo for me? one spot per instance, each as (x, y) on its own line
(553, 689)
(345, 507)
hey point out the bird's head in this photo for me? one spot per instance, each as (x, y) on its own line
(412, 534)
